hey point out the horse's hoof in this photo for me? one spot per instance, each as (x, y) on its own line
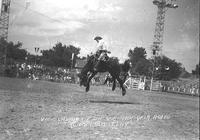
(113, 88)
(87, 89)
(123, 93)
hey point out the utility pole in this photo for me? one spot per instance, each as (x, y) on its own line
(72, 61)
(36, 54)
(4, 23)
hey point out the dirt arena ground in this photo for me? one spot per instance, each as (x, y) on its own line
(40, 110)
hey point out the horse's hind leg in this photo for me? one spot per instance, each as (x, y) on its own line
(113, 81)
(88, 81)
(121, 85)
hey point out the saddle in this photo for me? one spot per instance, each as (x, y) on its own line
(104, 57)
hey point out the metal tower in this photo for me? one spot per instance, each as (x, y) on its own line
(162, 5)
(4, 18)
(4, 23)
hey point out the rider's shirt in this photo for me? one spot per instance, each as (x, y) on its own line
(101, 46)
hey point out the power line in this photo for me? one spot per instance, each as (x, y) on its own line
(41, 14)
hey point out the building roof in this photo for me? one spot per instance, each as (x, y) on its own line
(80, 63)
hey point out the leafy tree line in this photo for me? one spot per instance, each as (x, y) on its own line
(196, 70)
(161, 67)
(14, 52)
(61, 55)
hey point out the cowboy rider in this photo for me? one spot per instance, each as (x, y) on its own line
(101, 50)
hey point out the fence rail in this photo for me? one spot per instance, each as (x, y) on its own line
(190, 87)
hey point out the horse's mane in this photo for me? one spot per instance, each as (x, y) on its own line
(91, 58)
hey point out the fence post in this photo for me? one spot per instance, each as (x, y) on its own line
(178, 89)
(197, 92)
(151, 84)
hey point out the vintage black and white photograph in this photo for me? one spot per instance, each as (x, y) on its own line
(99, 69)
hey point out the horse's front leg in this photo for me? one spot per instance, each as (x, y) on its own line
(88, 81)
(121, 85)
(114, 84)
(106, 81)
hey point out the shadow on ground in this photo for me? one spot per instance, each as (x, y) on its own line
(113, 102)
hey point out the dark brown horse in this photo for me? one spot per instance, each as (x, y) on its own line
(111, 65)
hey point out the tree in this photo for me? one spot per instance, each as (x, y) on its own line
(139, 62)
(14, 52)
(137, 54)
(196, 71)
(60, 55)
(167, 69)
(185, 73)
(143, 67)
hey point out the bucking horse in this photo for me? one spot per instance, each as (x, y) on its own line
(111, 65)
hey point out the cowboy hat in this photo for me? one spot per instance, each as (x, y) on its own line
(98, 38)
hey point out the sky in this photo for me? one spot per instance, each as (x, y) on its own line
(124, 24)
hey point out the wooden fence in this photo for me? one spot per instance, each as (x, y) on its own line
(185, 87)
(190, 87)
